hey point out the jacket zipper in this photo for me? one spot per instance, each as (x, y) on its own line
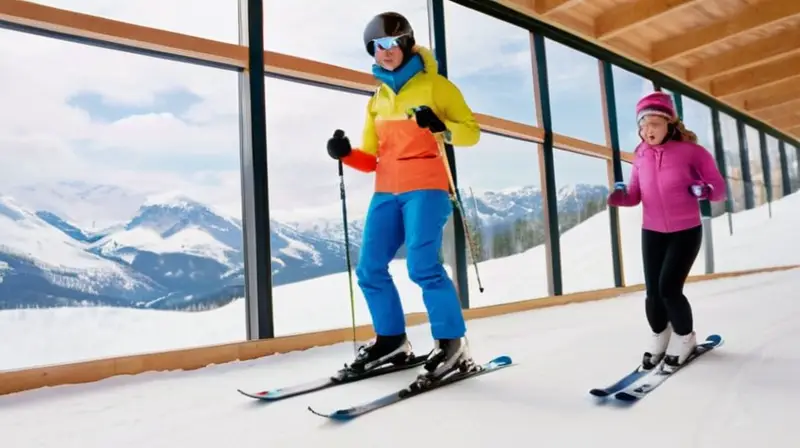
(659, 155)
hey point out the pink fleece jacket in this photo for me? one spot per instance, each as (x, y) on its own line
(661, 179)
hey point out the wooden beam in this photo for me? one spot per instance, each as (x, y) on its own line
(773, 95)
(785, 121)
(545, 7)
(99, 29)
(778, 46)
(759, 76)
(762, 14)
(625, 16)
(778, 111)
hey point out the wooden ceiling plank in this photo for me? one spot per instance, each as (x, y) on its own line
(545, 7)
(759, 52)
(626, 16)
(755, 16)
(785, 121)
(775, 95)
(762, 75)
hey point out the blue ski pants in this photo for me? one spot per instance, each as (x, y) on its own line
(416, 218)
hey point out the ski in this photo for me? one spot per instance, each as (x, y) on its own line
(658, 376)
(412, 390)
(343, 376)
(622, 383)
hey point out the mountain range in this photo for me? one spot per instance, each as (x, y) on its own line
(171, 251)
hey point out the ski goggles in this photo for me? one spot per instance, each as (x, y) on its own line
(388, 42)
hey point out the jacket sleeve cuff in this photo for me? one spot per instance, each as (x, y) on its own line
(361, 161)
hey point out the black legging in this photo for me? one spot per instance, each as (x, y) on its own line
(668, 258)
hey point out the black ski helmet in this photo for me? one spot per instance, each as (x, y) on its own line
(385, 25)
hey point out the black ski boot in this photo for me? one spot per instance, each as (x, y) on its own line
(448, 356)
(383, 350)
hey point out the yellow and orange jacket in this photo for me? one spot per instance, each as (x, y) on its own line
(404, 156)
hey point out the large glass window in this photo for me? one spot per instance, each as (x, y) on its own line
(697, 118)
(756, 166)
(217, 20)
(586, 257)
(576, 101)
(776, 175)
(490, 61)
(120, 204)
(331, 32)
(629, 88)
(733, 160)
(499, 181)
(792, 157)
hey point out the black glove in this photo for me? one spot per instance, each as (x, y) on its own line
(427, 119)
(339, 145)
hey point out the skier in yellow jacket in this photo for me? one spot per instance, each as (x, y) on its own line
(411, 203)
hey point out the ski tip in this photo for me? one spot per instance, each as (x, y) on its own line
(715, 339)
(502, 360)
(626, 397)
(340, 415)
(265, 395)
(601, 393)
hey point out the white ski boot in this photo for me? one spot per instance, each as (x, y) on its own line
(680, 348)
(658, 347)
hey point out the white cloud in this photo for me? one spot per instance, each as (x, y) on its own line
(43, 138)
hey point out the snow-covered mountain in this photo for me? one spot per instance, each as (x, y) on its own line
(175, 252)
(44, 266)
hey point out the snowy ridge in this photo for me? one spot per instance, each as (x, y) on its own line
(191, 240)
(30, 238)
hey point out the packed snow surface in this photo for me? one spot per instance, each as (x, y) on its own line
(742, 395)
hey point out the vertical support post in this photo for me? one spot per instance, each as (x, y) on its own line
(719, 155)
(255, 190)
(786, 179)
(765, 168)
(547, 166)
(747, 179)
(614, 165)
(436, 29)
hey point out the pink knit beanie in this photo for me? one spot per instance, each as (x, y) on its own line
(656, 103)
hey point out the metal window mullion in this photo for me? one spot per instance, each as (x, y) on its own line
(255, 190)
(547, 167)
(615, 173)
(437, 32)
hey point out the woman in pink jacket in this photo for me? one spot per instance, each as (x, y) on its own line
(670, 173)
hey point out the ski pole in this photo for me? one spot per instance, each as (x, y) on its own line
(343, 197)
(455, 197)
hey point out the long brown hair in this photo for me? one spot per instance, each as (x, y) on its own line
(684, 134)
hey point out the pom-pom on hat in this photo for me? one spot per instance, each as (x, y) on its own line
(656, 103)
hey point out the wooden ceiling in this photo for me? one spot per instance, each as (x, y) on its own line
(746, 53)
